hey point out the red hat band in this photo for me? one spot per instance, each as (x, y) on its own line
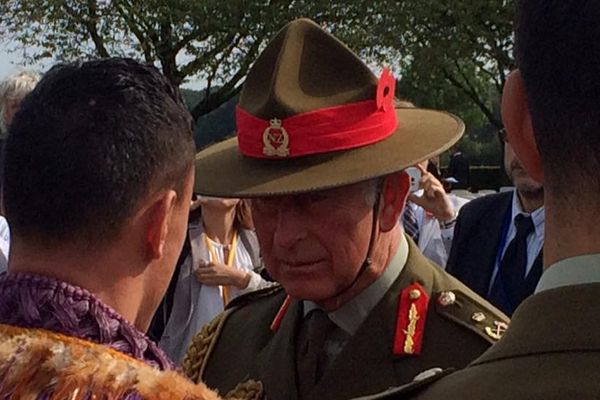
(325, 130)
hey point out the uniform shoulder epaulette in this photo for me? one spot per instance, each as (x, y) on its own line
(250, 297)
(201, 347)
(472, 313)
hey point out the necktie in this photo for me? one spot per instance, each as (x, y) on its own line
(509, 288)
(310, 358)
(409, 221)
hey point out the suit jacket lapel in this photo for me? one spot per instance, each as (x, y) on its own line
(486, 243)
(279, 355)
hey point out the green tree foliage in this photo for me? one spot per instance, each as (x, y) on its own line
(462, 48)
(211, 40)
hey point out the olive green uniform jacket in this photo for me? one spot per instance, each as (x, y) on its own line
(239, 347)
(551, 351)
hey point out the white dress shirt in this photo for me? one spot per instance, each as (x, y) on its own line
(195, 304)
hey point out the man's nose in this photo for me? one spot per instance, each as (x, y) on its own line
(291, 224)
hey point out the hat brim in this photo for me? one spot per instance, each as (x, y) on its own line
(221, 170)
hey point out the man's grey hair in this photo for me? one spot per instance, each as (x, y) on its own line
(373, 189)
(15, 87)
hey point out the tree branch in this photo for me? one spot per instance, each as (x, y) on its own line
(227, 42)
(90, 25)
(472, 94)
(134, 28)
(230, 89)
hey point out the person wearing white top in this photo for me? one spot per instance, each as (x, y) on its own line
(221, 266)
(434, 212)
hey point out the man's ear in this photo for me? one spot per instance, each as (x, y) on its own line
(517, 122)
(394, 194)
(158, 217)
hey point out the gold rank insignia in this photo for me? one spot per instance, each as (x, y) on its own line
(497, 330)
(410, 321)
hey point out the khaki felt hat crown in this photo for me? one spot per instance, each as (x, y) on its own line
(313, 116)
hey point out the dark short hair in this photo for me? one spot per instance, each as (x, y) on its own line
(558, 53)
(88, 144)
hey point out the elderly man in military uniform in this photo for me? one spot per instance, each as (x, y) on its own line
(320, 150)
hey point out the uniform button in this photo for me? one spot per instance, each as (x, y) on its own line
(414, 294)
(446, 298)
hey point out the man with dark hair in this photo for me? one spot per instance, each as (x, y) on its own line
(551, 111)
(98, 183)
(321, 149)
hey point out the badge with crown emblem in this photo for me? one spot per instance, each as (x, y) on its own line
(276, 140)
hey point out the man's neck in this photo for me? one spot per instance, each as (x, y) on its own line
(385, 247)
(219, 224)
(571, 230)
(118, 285)
(530, 201)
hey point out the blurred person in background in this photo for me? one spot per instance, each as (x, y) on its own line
(12, 91)
(429, 216)
(459, 172)
(430, 213)
(220, 262)
(433, 167)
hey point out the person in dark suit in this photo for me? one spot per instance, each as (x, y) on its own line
(498, 239)
(459, 169)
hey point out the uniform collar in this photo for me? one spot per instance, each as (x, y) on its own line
(351, 315)
(571, 271)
